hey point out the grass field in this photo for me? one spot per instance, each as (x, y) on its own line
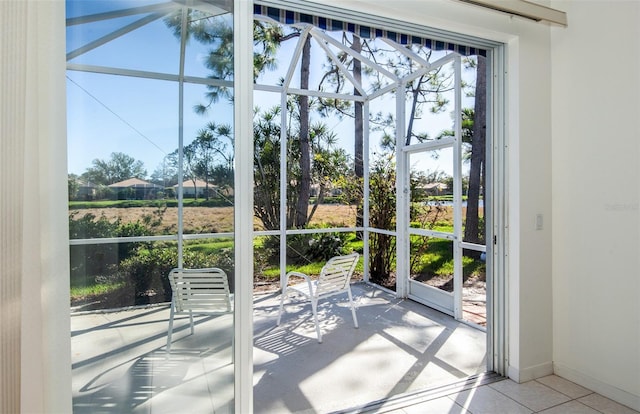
(212, 219)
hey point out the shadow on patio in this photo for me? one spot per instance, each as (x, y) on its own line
(119, 362)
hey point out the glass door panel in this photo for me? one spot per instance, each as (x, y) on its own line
(431, 232)
(147, 113)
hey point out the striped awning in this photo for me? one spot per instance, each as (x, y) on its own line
(365, 32)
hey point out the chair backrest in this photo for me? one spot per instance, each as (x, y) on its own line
(336, 274)
(200, 290)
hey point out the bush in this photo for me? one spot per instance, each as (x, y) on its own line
(147, 270)
(305, 248)
(91, 260)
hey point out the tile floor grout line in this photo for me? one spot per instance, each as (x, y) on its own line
(517, 402)
(553, 389)
(566, 402)
(467, 410)
(566, 395)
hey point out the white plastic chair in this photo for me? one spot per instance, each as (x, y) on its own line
(334, 279)
(200, 292)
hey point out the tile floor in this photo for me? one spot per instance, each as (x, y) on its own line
(548, 395)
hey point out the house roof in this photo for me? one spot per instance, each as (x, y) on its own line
(439, 186)
(199, 184)
(133, 182)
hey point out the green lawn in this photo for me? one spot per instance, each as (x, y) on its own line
(95, 289)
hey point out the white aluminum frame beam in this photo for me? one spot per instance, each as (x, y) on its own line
(365, 185)
(446, 142)
(320, 38)
(283, 176)
(206, 6)
(183, 46)
(362, 58)
(403, 245)
(406, 52)
(457, 192)
(295, 58)
(91, 18)
(243, 209)
(147, 75)
(309, 92)
(114, 35)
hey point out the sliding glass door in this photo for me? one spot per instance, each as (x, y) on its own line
(151, 138)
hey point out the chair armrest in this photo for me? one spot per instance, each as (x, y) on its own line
(299, 274)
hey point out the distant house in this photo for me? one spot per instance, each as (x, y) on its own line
(86, 191)
(189, 190)
(135, 189)
(314, 191)
(433, 188)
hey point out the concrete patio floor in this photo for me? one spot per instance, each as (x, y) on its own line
(120, 364)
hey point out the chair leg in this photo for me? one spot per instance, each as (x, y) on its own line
(170, 328)
(353, 308)
(191, 322)
(282, 295)
(314, 309)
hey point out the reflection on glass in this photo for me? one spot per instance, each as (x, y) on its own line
(266, 262)
(208, 165)
(209, 54)
(142, 41)
(124, 164)
(117, 275)
(119, 173)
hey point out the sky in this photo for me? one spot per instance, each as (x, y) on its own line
(110, 113)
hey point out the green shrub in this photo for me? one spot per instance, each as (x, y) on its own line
(146, 271)
(90, 260)
(305, 248)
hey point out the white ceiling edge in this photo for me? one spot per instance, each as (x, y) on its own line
(525, 9)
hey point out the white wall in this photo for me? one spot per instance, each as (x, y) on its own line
(596, 181)
(529, 168)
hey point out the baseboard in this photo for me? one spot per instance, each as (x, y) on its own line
(530, 373)
(621, 396)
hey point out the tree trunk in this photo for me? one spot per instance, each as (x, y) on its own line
(478, 148)
(414, 107)
(358, 130)
(304, 186)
